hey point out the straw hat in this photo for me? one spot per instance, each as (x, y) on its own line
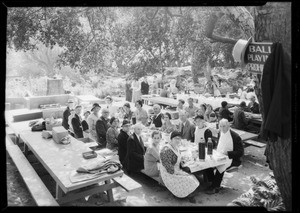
(239, 50)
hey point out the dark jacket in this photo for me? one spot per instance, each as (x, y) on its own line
(102, 126)
(157, 120)
(77, 126)
(188, 131)
(238, 149)
(225, 113)
(135, 154)
(239, 119)
(254, 108)
(65, 120)
(85, 125)
(144, 88)
(122, 143)
(276, 94)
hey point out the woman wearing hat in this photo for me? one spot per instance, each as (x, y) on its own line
(112, 134)
(92, 119)
(179, 182)
(122, 141)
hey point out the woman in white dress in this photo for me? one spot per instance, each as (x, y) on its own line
(136, 90)
(179, 183)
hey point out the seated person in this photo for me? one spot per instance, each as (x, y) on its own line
(110, 106)
(209, 115)
(180, 105)
(239, 118)
(71, 116)
(191, 109)
(230, 144)
(157, 117)
(102, 126)
(151, 157)
(140, 114)
(201, 110)
(85, 125)
(201, 130)
(76, 122)
(180, 183)
(164, 92)
(127, 113)
(253, 106)
(112, 134)
(122, 141)
(167, 126)
(224, 112)
(135, 150)
(186, 128)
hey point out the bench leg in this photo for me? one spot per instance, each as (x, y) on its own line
(109, 192)
(58, 192)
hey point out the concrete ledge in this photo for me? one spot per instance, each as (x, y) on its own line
(36, 101)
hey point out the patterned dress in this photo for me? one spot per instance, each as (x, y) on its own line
(179, 182)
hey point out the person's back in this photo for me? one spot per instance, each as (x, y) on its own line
(225, 113)
(239, 119)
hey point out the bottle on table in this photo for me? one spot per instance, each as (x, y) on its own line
(201, 149)
(133, 119)
(209, 147)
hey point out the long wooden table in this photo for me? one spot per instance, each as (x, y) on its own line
(63, 160)
(163, 100)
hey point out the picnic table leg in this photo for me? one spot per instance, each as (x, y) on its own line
(58, 192)
(110, 195)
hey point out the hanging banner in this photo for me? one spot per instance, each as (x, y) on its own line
(256, 55)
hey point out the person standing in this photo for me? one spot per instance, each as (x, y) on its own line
(122, 141)
(128, 90)
(71, 130)
(67, 113)
(155, 85)
(135, 150)
(112, 134)
(230, 144)
(136, 90)
(92, 119)
(102, 126)
(76, 123)
(145, 86)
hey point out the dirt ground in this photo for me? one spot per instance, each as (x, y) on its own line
(151, 193)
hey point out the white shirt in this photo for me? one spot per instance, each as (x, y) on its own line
(225, 145)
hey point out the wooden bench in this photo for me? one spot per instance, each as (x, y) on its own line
(127, 183)
(254, 143)
(35, 185)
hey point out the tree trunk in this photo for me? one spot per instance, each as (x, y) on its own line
(273, 23)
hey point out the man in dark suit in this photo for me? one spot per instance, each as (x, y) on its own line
(230, 144)
(145, 87)
(224, 112)
(239, 118)
(122, 141)
(157, 117)
(76, 123)
(135, 150)
(102, 126)
(186, 128)
(67, 113)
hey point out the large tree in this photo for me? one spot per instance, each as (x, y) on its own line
(270, 23)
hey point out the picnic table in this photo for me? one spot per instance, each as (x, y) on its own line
(62, 161)
(163, 100)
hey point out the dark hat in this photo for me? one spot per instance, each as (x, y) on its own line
(126, 122)
(95, 105)
(127, 105)
(175, 134)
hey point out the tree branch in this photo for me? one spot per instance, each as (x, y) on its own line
(210, 26)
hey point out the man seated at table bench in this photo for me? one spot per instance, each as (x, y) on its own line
(157, 117)
(230, 144)
(239, 118)
(186, 128)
